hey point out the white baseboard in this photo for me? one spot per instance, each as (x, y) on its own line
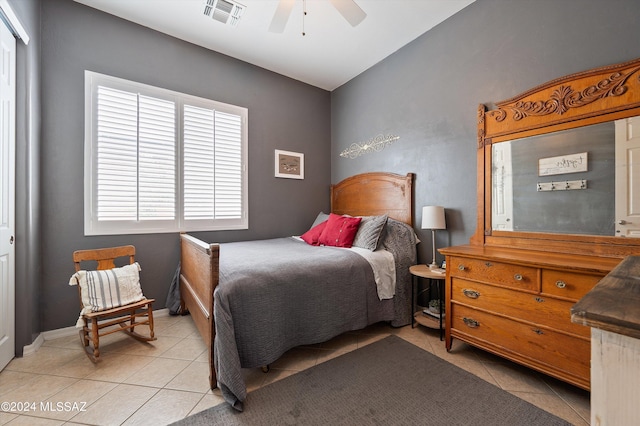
(33, 347)
(69, 331)
(60, 332)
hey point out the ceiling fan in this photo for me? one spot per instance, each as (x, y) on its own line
(347, 8)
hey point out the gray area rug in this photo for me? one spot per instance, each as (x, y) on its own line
(389, 382)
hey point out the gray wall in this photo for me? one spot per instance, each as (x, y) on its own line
(283, 114)
(428, 92)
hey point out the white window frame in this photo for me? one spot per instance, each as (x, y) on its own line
(94, 227)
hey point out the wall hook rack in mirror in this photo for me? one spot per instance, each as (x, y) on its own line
(566, 185)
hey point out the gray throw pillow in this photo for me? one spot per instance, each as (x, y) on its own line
(369, 233)
(319, 219)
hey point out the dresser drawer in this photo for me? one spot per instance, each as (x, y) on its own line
(561, 352)
(571, 285)
(542, 310)
(503, 274)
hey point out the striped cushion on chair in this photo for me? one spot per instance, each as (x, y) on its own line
(111, 288)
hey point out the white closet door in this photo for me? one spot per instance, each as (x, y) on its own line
(628, 177)
(502, 205)
(7, 194)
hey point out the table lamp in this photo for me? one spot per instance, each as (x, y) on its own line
(433, 218)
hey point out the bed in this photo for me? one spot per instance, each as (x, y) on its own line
(252, 301)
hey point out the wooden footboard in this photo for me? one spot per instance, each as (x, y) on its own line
(198, 280)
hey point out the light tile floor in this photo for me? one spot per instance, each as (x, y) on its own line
(167, 380)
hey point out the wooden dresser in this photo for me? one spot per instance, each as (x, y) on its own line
(547, 230)
(517, 304)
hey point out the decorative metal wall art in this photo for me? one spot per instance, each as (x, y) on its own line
(375, 144)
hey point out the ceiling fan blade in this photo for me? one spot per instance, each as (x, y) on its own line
(350, 11)
(281, 16)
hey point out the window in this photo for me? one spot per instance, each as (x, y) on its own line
(161, 161)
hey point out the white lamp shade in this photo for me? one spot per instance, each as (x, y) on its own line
(433, 217)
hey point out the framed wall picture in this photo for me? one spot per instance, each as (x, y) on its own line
(289, 164)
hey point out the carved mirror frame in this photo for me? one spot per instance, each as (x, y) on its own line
(590, 97)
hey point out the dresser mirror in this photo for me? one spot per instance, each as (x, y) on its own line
(547, 165)
(561, 182)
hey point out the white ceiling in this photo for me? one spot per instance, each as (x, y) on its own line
(331, 53)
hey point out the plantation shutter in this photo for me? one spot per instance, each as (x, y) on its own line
(117, 147)
(161, 161)
(228, 166)
(136, 157)
(199, 157)
(212, 164)
(157, 159)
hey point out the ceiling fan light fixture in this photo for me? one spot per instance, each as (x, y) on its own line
(347, 8)
(224, 11)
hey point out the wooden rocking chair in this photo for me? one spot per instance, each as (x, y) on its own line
(124, 317)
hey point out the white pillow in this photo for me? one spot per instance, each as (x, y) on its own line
(109, 288)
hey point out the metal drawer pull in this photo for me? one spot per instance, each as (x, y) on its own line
(518, 277)
(461, 267)
(471, 322)
(561, 284)
(472, 294)
(488, 264)
(539, 299)
(538, 331)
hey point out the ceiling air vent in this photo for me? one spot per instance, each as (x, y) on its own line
(224, 11)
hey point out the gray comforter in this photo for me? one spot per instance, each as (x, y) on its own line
(276, 294)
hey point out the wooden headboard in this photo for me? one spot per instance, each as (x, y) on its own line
(371, 194)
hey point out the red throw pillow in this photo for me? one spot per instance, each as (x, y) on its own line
(340, 231)
(312, 236)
